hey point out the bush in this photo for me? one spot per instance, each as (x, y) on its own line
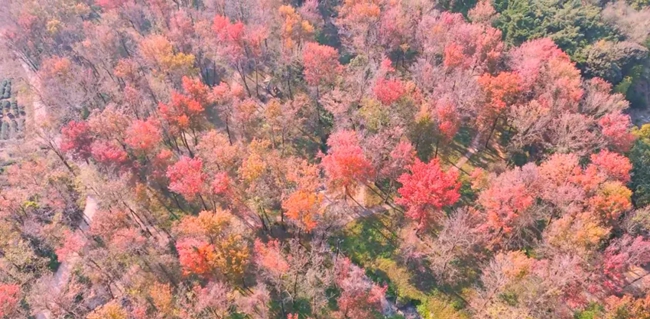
(21, 124)
(7, 91)
(4, 131)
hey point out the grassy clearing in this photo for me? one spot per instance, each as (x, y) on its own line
(369, 243)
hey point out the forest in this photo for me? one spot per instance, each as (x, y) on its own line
(316, 159)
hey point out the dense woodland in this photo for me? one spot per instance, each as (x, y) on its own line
(343, 159)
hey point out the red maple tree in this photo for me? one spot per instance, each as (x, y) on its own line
(186, 177)
(426, 190)
(345, 164)
(321, 64)
(76, 138)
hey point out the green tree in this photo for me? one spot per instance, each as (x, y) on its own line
(571, 24)
(640, 158)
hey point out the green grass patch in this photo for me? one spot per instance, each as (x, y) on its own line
(592, 312)
(368, 243)
(399, 279)
(366, 240)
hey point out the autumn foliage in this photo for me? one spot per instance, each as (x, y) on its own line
(186, 177)
(426, 190)
(9, 297)
(353, 159)
(345, 164)
(321, 64)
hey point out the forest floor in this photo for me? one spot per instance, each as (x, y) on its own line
(471, 150)
(640, 116)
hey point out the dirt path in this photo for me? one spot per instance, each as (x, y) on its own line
(64, 271)
(471, 150)
(40, 111)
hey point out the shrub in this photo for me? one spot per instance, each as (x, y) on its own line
(4, 131)
(7, 91)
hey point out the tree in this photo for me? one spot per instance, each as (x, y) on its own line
(159, 51)
(212, 245)
(483, 12)
(9, 298)
(547, 71)
(611, 200)
(77, 139)
(143, 136)
(400, 158)
(72, 244)
(453, 56)
(640, 159)
(620, 256)
(111, 310)
(321, 64)
(196, 257)
(108, 153)
(183, 113)
(426, 190)
(270, 257)
(231, 34)
(616, 129)
(570, 133)
(609, 60)
(572, 25)
(628, 20)
(223, 143)
(110, 4)
(295, 30)
(600, 101)
(257, 303)
(626, 307)
(507, 201)
(360, 298)
(611, 165)
(345, 164)
(218, 153)
(162, 298)
(501, 92)
(215, 298)
(221, 185)
(388, 91)
(447, 119)
(474, 47)
(558, 175)
(356, 21)
(302, 207)
(296, 273)
(452, 251)
(186, 177)
(577, 235)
